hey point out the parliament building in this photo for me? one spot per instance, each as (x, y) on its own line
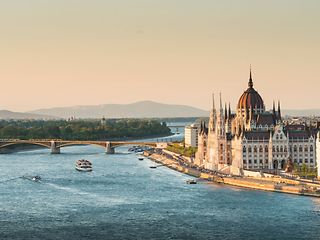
(252, 138)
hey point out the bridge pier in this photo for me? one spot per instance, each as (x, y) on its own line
(109, 148)
(54, 148)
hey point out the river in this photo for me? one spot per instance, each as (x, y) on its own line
(124, 199)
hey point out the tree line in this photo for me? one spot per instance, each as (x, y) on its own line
(82, 129)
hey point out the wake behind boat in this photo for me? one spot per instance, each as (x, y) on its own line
(84, 165)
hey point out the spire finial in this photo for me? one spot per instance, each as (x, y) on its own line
(274, 107)
(250, 84)
(213, 107)
(279, 110)
(225, 111)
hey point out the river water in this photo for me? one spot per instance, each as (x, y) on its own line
(124, 199)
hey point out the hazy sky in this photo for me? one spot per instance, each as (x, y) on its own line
(75, 52)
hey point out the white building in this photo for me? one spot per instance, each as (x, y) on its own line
(191, 135)
(254, 139)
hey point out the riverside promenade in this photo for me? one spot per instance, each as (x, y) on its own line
(273, 184)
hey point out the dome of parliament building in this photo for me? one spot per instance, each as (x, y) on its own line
(251, 99)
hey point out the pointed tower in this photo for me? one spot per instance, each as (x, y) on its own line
(225, 112)
(279, 111)
(216, 148)
(220, 120)
(274, 108)
(250, 83)
(213, 116)
(228, 120)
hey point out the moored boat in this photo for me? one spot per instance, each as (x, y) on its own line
(83, 165)
(191, 181)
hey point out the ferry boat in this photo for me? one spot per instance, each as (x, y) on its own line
(84, 165)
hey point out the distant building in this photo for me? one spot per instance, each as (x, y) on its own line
(103, 121)
(253, 138)
(191, 135)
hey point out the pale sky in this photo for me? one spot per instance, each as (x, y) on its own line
(75, 52)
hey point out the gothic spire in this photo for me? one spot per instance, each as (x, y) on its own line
(212, 120)
(279, 110)
(225, 111)
(229, 111)
(274, 108)
(250, 84)
(213, 105)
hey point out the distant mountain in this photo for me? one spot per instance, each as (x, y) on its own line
(144, 109)
(5, 114)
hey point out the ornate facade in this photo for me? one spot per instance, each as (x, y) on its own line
(253, 138)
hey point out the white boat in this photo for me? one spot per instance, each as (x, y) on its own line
(83, 165)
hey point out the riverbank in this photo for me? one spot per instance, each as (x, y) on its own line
(273, 184)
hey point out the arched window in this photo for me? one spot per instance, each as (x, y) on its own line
(255, 149)
(261, 149)
(295, 148)
(266, 149)
(244, 149)
(281, 149)
(311, 148)
(300, 148)
(306, 149)
(249, 149)
(273, 149)
(277, 148)
(285, 149)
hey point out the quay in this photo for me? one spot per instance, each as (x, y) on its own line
(271, 183)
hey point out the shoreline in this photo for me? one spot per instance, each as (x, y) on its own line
(273, 184)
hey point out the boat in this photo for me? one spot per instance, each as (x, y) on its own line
(140, 158)
(191, 181)
(153, 166)
(83, 165)
(36, 178)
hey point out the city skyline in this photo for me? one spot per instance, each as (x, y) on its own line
(59, 53)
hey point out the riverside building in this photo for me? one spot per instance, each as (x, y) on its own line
(253, 138)
(191, 135)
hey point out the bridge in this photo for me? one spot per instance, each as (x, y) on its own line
(56, 145)
(176, 127)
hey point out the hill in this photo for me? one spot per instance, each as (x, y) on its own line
(144, 109)
(5, 114)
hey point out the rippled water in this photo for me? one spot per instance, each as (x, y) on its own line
(124, 199)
